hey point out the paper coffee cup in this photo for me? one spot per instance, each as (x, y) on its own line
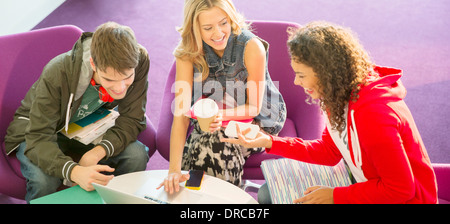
(206, 111)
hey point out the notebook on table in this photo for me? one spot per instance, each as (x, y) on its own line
(114, 196)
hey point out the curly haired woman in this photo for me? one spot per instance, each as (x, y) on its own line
(368, 125)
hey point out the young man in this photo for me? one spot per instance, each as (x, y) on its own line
(107, 68)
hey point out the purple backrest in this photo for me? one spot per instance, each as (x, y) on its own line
(307, 119)
(166, 116)
(22, 58)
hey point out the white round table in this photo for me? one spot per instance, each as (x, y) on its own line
(213, 190)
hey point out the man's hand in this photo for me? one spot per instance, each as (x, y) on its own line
(85, 176)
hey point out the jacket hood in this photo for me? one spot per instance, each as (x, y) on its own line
(384, 86)
(86, 72)
(81, 72)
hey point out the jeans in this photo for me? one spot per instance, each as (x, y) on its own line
(133, 158)
(264, 195)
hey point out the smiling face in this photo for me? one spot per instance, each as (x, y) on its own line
(114, 82)
(306, 78)
(215, 28)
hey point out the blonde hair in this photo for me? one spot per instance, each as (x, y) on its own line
(191, 46)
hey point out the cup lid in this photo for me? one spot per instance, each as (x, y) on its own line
(205, 108)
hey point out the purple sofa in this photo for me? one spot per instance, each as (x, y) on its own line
(303, 120)
(442, 172)
(22, 58)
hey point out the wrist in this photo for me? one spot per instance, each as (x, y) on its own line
(99, 152)
(74, 173)
(174, 170)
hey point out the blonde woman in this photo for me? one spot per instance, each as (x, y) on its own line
(219, 58)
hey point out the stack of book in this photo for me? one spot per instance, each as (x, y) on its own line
(287, 179)
(91, 128)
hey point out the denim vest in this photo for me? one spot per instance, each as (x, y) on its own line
(227, 81)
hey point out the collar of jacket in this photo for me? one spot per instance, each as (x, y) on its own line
(214, 60)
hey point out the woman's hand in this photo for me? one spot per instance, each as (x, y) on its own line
(261, 140)
(172, 182)
(317, 195)
(216, 124)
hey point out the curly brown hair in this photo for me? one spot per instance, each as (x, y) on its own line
(339, 60)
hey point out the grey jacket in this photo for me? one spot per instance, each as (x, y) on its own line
(56, 95)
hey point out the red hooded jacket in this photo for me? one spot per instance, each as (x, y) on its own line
(382, 145)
